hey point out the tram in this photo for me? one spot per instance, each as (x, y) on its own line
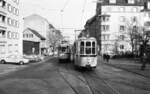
(64, 52)
(85, 53)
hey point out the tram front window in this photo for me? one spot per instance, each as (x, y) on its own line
(88, 47)
(93, 47)
(63, 49)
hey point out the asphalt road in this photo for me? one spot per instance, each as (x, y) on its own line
(52, 77)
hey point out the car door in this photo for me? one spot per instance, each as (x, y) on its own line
(11, 58)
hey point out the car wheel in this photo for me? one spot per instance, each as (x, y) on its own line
(21, 62)
(3, 61)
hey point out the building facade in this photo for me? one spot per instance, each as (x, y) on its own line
(145, 16)
(114, 19)
(45, 29)
(32, 42)
(10, 28)
(40, 24)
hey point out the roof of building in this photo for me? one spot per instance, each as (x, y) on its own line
(36, 33)
(124, 3)
(92, 19)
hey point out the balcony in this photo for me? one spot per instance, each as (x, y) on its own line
(3, 11)
(2, 25)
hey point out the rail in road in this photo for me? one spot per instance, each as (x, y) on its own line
(101, 82)
(94, 83)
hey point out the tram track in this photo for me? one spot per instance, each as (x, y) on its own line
(91, 79)
(95, 76)
(88, 83)
(106, 82)
(67, 71)
(76, 92)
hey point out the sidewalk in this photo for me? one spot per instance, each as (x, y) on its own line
(129, 65)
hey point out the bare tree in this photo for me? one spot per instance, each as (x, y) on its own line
(54, 39)
(133, 31)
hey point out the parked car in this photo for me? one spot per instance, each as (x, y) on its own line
(33, 58)
(14, 59)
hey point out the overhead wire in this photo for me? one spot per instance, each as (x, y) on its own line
(66, 3)
(62, 11)
(83, 9)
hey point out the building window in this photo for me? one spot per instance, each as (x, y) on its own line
(2, 18)
(17, 36)
(14, 10)
(9, 21)
(105, 28)
(27, 35)
(31, 35)
(148, 5)
(2, 3)
(9, 8)
(9, 34)
(2, 33)
(112, 1)
(122, 37)
(105, 37)
(105, 18)
(121, 46)
(122, 28)
(17, 12)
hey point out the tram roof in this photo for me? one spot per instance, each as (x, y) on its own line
(85, 38)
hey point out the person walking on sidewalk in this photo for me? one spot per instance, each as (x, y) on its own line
(107, 57)
(104, 56)
(144, 61)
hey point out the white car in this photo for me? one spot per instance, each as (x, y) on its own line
(33, 58)
(14, 59)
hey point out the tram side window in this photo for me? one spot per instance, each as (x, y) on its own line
(82, 48)
(88, 47)
(93, 47)
(63, 49)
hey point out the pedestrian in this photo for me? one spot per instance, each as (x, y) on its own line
(107, 57)
(104, 56)
(144, 61)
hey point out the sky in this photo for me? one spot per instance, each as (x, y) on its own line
(74, 16)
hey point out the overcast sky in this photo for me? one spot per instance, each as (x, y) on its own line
(75, 14)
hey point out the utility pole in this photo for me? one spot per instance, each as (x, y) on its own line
(75, 33)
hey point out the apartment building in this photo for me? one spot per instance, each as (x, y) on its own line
(145, 16)
(116, 17)
(10, 29)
